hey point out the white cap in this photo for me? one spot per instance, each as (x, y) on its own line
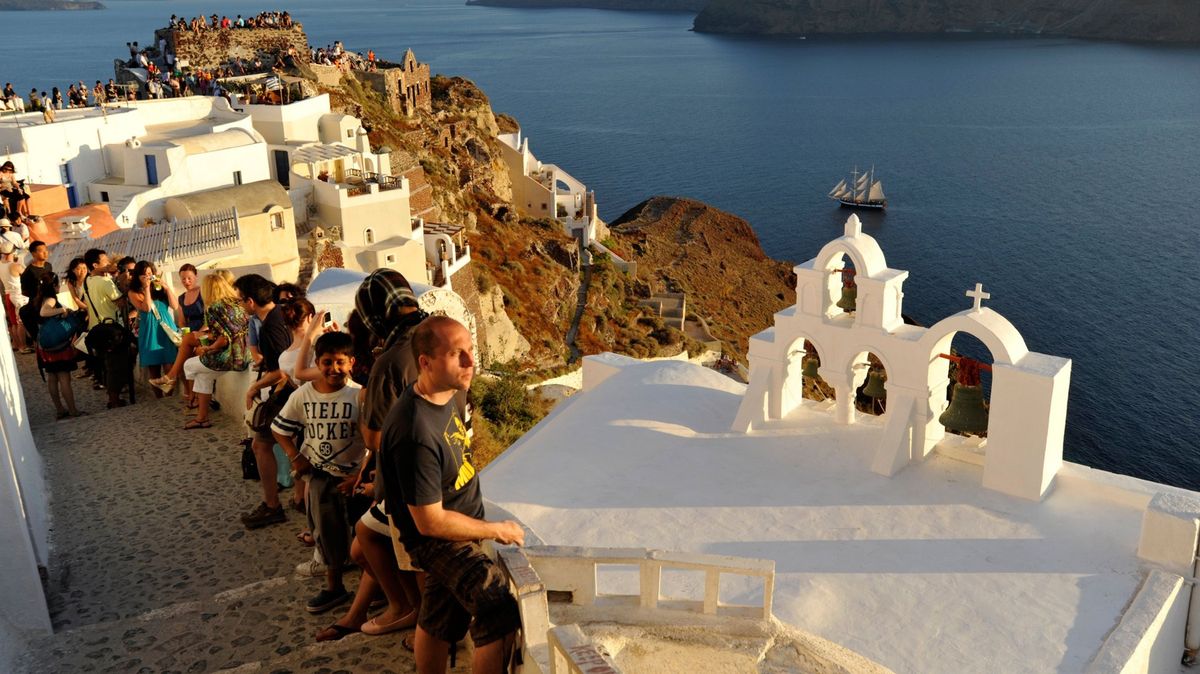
(15, 239)
(5, 222)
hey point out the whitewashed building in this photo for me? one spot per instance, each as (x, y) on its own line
(547, 190)
(135, 156)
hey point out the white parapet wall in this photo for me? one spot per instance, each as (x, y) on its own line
(1149, 639)
(24, 517)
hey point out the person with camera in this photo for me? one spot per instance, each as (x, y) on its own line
(157, 332)
(108, 339)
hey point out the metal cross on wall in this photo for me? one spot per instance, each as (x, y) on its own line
(979, 296)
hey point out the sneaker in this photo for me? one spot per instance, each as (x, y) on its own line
(326, 599)
(310, 568)
(262, 516)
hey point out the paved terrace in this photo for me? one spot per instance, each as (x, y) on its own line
(151, 570)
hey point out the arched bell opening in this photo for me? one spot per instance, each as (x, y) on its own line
(841, 289)
(868, 376)
(968, 385)
(801, 379)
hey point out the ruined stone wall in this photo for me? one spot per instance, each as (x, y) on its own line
(212, 48)
(405, 86)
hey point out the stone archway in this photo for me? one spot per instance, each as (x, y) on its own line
(1001, 339)
(792, 388)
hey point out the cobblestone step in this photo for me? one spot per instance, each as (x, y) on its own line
(261, 627)
(150, 568)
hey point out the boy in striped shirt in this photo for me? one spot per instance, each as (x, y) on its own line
(325, 413)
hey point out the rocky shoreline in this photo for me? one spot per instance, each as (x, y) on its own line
(53, 5)
(1168, 21)
(623, 5)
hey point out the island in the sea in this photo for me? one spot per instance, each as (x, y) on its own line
(1176, 21)
(624, 5)
(24, 5)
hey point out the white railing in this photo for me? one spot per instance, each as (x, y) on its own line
(536, 571)
(575, 570)
(573, 653)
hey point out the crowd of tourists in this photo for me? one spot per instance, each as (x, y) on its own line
(369, 420)
(201, 24)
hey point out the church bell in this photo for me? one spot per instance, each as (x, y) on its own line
(810, 367)
(874, 388)
(967, 413)
(849, 297)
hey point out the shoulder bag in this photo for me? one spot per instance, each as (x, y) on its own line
(171, 333)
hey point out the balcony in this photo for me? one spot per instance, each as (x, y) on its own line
(360, 182)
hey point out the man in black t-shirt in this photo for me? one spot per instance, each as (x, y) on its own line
(426, 465)
(31, 280)
(274, 338)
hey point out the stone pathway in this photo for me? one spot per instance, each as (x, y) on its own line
(151, 570)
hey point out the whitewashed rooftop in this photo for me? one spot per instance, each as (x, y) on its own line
(924, 571)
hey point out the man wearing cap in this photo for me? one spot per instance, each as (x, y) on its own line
(10, 285)
(387, 305)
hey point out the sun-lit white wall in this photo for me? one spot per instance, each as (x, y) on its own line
(24, 516)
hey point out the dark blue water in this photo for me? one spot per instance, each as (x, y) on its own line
(1059, 173)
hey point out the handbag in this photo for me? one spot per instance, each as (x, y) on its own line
(63, 355)
(265, 411)
(249, 464)
(171, 333)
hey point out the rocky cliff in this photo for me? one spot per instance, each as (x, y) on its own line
(1134, 20)
(646, 5)
(524, 281)
(714, 258)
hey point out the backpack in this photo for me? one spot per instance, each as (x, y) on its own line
(57, 332)
(107, 337)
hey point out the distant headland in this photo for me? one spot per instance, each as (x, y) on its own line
(626, 5)
(24, 5)
(1175, 21)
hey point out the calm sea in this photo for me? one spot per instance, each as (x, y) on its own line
(1059, 173)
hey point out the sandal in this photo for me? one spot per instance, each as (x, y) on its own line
(59, 416)
(164, 384)
(306, 538)
(374, 628)
(196, 423)
(335, 632)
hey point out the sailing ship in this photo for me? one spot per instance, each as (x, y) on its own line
(863, 191)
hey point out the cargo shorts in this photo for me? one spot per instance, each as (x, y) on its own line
(461, 583)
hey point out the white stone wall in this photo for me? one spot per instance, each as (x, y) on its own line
(24, 515)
